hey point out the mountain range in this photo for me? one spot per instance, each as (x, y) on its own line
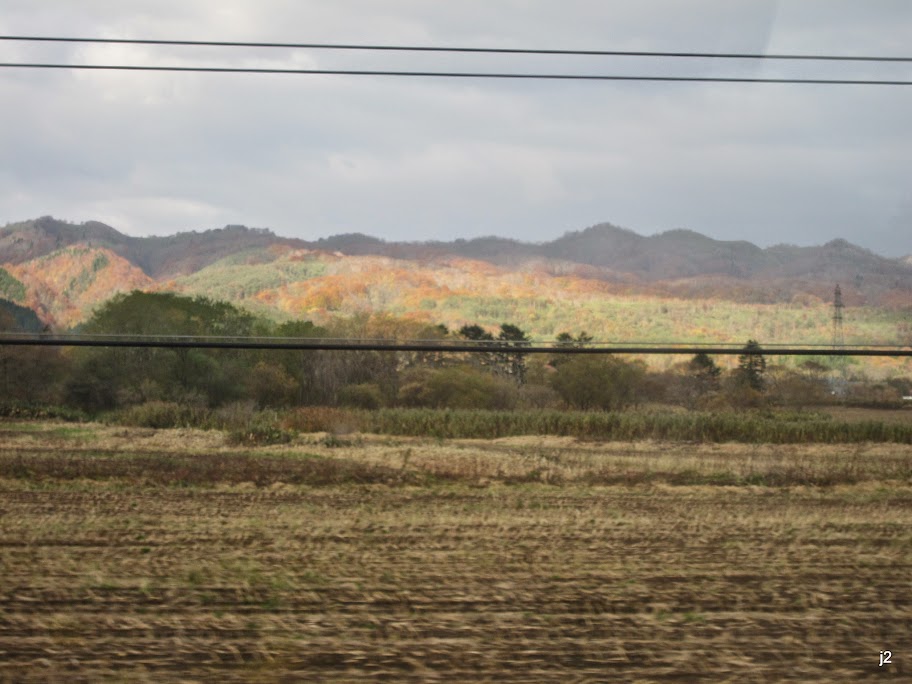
(64, 270)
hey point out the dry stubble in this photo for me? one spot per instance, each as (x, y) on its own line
(462, 576)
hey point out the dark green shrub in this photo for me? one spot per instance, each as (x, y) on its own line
(363, 396)
(598, 382)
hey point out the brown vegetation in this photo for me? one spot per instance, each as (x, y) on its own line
(160, 555)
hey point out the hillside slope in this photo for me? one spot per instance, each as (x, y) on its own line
(158, 257)
(63, 287)
(607, 280)
(670, 255)
(454, 291)
(604, 251)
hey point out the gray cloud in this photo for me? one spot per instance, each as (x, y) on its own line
(412, 159)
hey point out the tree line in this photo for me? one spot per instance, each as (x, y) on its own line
(102, 379)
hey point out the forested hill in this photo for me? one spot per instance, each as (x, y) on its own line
(157, 257)
(15, 318)
(64, 270)
(612, 252)
(617, 253)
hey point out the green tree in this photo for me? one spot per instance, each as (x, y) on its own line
(752, 366)
(434, 359)
(475, 333)
(693, 383)
(269, 384)
(705, 371)
(598, 382)
(28, 374)
(302, 364)
(107, 377)
(338, 369)
(158, 313)
(512, 363)
(565, 340)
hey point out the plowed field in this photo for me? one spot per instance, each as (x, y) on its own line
(110, 573)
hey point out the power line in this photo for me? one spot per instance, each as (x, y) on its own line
(411, 346)
(438, 343)
(471, 50)
(452, 74)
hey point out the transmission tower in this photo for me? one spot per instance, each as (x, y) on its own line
(838, 306)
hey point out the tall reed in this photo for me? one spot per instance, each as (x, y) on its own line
(751, 427)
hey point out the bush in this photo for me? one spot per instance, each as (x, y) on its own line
(590, 382)
(321, 419)
(736, 393)
(873, 396)
(459, 387)
(243, 424)
(163, 414)
(237, 414)
(538, 397)
(791, 389)
(901, 385)
(363, 396)
(29, 411)
(264, 428)
(270, 385)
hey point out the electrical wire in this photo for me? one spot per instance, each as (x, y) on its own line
(453, 74)
(450, 49)
(317, 344)
(460, 74)
(438, 342)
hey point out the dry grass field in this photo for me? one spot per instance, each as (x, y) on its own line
(136, 555)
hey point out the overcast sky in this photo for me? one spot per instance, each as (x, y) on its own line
(311, 156)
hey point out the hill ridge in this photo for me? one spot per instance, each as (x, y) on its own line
(260, 268)
(657, 256)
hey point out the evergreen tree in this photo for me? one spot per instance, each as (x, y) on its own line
(705, 371)
(513, 363)
(565, 340)
(476, 333)
(752, 366)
